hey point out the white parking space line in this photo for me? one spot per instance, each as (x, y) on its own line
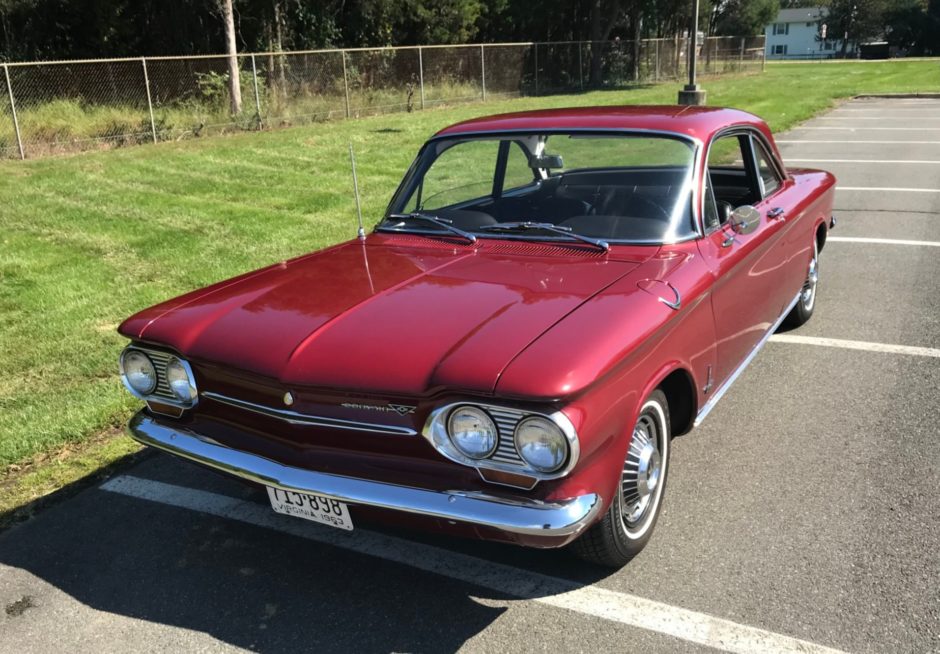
(857, 345)
(885, 241)
(887, 189)
(866, 161)
(873, 129)
(892, 111)
(609, 605)
(840, 142)
(836, 117)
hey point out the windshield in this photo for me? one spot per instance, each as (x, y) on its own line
(616, 187)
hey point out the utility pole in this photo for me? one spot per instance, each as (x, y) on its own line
(692, 93)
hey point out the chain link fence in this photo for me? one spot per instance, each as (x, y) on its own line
(71, 106)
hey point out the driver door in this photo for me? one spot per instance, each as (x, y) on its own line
(745, 267)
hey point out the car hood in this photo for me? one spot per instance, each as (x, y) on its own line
(391, 314)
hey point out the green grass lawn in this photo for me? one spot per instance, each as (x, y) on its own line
(89, 239)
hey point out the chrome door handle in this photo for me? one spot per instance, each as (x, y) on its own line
(777, 212)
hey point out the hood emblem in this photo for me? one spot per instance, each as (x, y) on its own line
(288, 398)
(400, 409)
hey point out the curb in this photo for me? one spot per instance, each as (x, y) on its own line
(866, 96)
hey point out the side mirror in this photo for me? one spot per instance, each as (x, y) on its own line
(744, 220)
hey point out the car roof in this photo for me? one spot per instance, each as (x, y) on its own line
(698, 122)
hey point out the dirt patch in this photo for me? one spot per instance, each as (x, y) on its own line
(58, 455)
(31, 485)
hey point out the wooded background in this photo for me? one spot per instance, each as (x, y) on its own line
(70, 29)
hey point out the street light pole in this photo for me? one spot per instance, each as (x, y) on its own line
(692, 94)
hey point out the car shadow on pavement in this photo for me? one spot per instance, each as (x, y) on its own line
(247, 586)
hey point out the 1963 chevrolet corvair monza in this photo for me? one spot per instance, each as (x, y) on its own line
(550, 298)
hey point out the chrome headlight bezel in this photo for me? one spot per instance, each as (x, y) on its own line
(488, 425)
(161, 396)
(125, 375)
(436, 433)
(549, 428)
(190, 381)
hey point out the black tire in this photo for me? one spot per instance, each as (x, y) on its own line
(617, 538)
(803, 310)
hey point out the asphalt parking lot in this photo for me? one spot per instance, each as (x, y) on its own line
(804, 514)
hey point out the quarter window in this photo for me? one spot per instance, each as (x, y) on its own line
(768, 174)
(711, 216)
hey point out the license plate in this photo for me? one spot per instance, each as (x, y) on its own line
(311, 507)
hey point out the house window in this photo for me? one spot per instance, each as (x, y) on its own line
(780, 50)
(781, 28)
(828, 45)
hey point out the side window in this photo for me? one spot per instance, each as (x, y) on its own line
(462, 173)
(731, 183)
(727, 152)
(518, 173)
(770, 180)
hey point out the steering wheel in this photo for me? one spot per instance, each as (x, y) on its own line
(657, 209)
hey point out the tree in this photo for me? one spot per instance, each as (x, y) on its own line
(605, 16)
(437, 21)
(743, 17)
(227, 13)
(914, 26)
(855, 21)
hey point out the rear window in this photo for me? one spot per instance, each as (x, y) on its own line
(588, 151)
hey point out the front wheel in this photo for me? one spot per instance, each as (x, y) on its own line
(802, 311)
(628, 523)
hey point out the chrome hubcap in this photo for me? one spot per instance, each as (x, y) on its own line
(642, 471)
(809, 288)
(648, 476)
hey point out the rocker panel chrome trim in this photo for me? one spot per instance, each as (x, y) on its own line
(750, 357)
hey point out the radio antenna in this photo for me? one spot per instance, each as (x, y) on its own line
(352, 161)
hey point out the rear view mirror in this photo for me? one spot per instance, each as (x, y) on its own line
(546, 161)
(744, 220)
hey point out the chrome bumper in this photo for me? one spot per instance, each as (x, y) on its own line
(531, 518)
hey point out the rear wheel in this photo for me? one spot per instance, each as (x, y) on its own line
(628, 523)
(803, 310)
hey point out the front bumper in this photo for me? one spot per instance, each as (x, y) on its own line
(555, 520)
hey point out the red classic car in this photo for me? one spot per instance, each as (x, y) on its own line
(550, 297)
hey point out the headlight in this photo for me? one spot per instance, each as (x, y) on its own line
(541, 444)
(472, 432)
(139, 372)
(180, 381)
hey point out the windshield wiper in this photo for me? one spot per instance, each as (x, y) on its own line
(435, 220)
(548, 227)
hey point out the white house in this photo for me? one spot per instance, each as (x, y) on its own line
(796, 34)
